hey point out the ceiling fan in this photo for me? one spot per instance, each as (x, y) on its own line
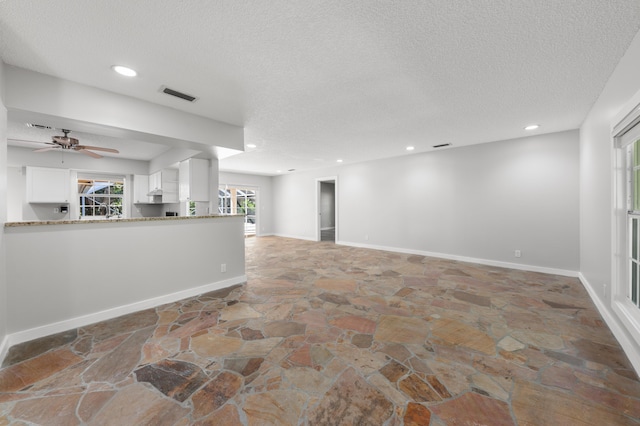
(67, 142)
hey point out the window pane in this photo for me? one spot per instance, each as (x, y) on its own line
(87, 201)
(103, 201)
(634, 238)
(634, 283)
(633, 179)
(100, 187)
(84, 186)
(636, 190)
(115, 210)
(117, 188)
(115, 206)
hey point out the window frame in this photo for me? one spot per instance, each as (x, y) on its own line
(625, 132)
(95, 177)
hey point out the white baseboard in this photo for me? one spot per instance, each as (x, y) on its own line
(619, 332)
(519, 266)
(295, 237)
(4, 348)
(58, 327)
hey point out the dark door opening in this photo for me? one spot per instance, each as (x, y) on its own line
(328, 211)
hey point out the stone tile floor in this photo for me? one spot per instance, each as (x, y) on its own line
(326, 335)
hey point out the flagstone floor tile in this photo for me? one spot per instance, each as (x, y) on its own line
(322, 334)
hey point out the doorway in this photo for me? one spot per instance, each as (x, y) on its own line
(239, 200)
(327, 207)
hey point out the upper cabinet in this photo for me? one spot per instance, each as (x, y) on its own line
(141, 189)
(46, 185)
(194, 180)
(155, 182)
(157, 188)
(166, 181)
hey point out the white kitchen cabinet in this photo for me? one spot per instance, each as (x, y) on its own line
(168, 184)
(163, 183)
(141, 189)
(194, 180)
(46, 185)
(155, 181)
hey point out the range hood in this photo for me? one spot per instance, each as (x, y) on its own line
(154, 193)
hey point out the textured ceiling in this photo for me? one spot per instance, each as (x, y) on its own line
(314, 81)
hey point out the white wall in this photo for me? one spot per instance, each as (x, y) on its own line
(56, 283)
(3, 216)
(596, 209)
(264, 184)
(480, 202)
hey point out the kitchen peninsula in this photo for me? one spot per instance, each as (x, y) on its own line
(65, 274)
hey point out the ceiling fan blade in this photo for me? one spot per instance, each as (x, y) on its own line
(24, 140)
(46, 149)
(97, 148)
(27, 141)
(89, 153)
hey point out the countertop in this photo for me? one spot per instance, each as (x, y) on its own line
(137, 219)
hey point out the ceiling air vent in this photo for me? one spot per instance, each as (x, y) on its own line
(442, 145)
(178, 94)
(39, 126)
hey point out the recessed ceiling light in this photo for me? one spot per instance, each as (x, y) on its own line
(251, 145)
(278, 171)
(339, 161)
(411, 148)
(128, 72)
(532, 127)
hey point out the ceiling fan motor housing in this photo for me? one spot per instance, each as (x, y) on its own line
(65, 141)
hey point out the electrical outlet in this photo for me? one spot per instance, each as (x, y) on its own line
(517, 253)
(223, 267)
(56, 210)
(604, 290)
(366, 237)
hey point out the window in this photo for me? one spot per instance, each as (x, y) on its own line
(239, 201)
(633, 212)
(100, 197)
(625, 260)
(224, 201)
(191, 208)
